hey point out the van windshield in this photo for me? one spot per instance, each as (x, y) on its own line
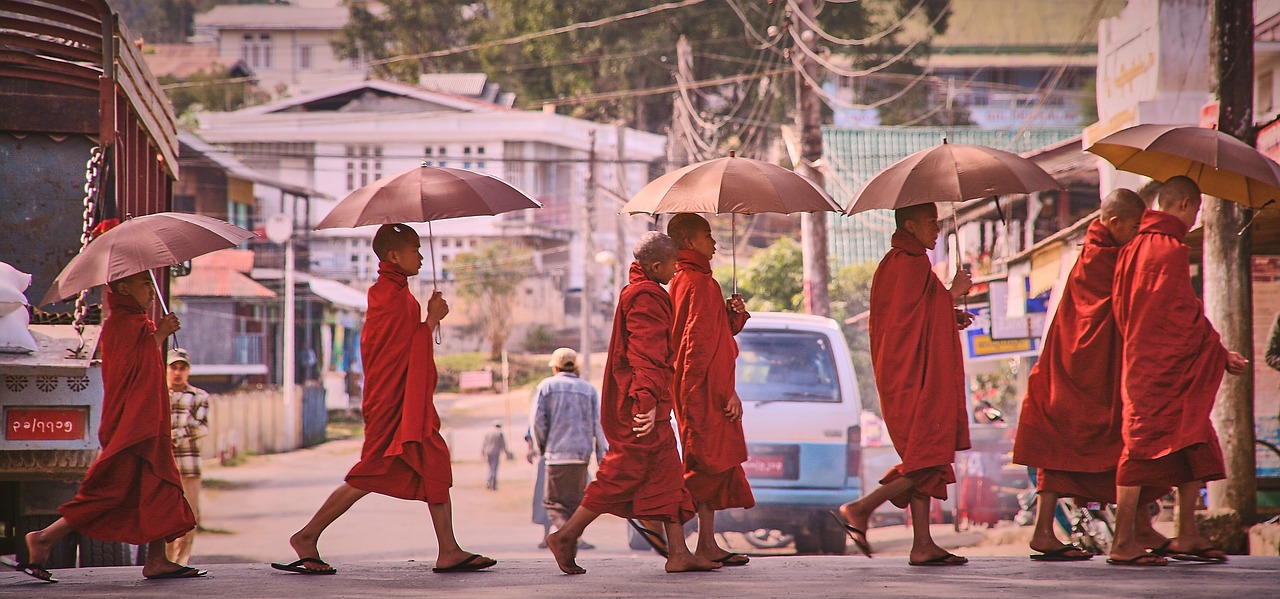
(780, 365)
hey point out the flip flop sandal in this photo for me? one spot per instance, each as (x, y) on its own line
(1144, 560)
(298, 567)
(1201, 556)
(183, 572)
(36, 571)
(942, 560)
(473, 563)
(857, 535)
(733, 559)
(1163, 549)
(654, 539)
(1060, 555)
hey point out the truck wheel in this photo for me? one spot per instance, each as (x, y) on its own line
(94, 553)
(808, 542)
(831, 535)
(63, 554)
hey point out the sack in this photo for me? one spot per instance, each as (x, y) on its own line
(14, 278)
(15, 338)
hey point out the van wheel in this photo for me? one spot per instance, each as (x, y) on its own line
(95, 553)
(831, 534)
(63, 554)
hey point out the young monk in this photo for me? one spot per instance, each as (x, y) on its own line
(708, 409)
(917, 360)
(1173, 364)
(132, 492)
(404, 455)
(641, 475)
(1070, 423)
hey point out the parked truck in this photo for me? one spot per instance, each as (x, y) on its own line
(86, 134)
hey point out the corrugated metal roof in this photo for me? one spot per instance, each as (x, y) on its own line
(261, 16)
(1009, 24)
(219, 282)
(185, 60)
(855, 155)
(237, 260)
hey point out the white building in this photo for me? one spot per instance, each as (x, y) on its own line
(342, 138)
(288, 47)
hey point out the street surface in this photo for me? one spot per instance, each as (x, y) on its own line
(384, 547)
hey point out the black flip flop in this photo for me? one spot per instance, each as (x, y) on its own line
(1137, 560)
(298, 567)
(183, 572)
(857, 535)
(733, 559)
(1060, 555)
(654, 539)
(36, 571)
(470, 564)
(1163, 549)
(942, 560)
(1200, 555)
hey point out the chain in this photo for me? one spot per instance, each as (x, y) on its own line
(92, 168)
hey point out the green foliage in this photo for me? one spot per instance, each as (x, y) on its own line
(488, 278)
(212, 96)
(772, 280)
(168, 21)
(851, 297)
(524, 370)
(539, 340)
(411, 27)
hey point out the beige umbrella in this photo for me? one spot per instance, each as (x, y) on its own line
(424, 194)
(1220, 164)
(143, 243)
(951, 173)
(733, 185)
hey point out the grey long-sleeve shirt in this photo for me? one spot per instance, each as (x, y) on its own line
(565, 419)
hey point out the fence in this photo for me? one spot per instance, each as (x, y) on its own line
(249, 422)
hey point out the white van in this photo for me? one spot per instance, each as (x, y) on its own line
(801, 415)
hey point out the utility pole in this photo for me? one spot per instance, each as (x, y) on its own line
(1228, 289)
(813, 226)
(677, 142)
(588, 198)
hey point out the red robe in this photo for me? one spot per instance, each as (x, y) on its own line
(919, 369)
(640, 477)
(1173, 361)
(705, 354)
(404, 455)
(1070, 421)
(132, 493)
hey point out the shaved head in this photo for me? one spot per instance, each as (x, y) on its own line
(685, 225)
(654, 247)
(1123, 204)
(1176, 189)
(1149, 192)
(392, 237)
(902, 216)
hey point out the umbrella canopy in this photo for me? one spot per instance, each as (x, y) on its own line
(424, 194)
(731, 185)
(951, 173)
(1220, 164)
(140, 244)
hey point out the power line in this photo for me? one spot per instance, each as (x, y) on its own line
(867, 41)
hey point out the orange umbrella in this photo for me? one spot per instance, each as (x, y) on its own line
(1220, 164)
(143, 243)
(733, 185)
(951, 173)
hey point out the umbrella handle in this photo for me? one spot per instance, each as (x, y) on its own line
(160, 298)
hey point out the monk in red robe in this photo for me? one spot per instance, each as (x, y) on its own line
(919, 370)
(1070, 423)
(132, 492)
(641, 475)
(1173, 363)
(708, 408)
(404, 455)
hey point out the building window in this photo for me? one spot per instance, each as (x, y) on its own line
(426, 151)
(1266, 95)
(364, 165)
(304, 57)
(256, 50)
(466, 165)
(480, 150)
(466, 150)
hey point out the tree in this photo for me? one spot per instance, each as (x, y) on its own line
(850, 301)
(406, 27)
(771, 281)
(488, 278)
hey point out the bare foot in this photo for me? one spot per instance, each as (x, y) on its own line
(1051, 544)
(858, 520)
(931, 553)
(159, 567)
(722, 556)
(37, 548)
(305, 546)
(1132, 553)
(1153, 540)
(689, 562)
(565, 550)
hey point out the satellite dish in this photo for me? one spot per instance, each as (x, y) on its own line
(279, 228)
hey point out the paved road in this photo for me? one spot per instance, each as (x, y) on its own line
(641, 576)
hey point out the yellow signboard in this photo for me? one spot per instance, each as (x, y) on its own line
(984, 345)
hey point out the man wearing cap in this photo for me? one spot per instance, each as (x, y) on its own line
(565, 421)
(189, 417)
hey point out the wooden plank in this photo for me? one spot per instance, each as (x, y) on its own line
(49, 13)
(50, 48)
(30, 113)
(88, 32)
(89, 8)
(150, 104)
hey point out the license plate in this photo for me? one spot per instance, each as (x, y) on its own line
(776, 462)
(45, 424)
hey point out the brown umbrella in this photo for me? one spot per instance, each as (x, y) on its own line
(1220, 164)
(951, 173)
(424, 194)
(733, 185)
(142, 244)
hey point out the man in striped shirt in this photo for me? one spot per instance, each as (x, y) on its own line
(189, 416)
